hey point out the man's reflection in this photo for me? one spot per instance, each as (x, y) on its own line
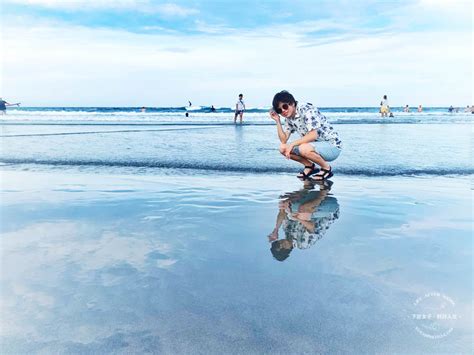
(304, 216)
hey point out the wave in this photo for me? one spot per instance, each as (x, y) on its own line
(203, 115)
(208, 109)
(366, 171)
(249, 120)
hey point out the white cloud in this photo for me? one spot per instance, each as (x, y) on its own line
(444, 5)
(174, 10)
(427, 225)
(167, 10)
(66, 241)
(442, 11)
(82, 4)
(53, 64)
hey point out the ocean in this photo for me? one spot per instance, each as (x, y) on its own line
(433, 142)
(131, 232)
(203, 114)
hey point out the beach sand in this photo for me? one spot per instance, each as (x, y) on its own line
(173, 263)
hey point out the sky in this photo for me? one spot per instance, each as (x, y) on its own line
(164, 53)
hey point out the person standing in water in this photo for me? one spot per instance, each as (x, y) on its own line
(4, 104)
(384, 107)
(319, 142)
(420, 108)
(239, 109)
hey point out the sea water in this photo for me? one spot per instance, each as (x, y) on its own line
(433, 142)
(127, 232)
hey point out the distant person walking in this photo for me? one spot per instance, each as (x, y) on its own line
(319, 142)
(420, 108)
(406, 108)
(4, 104)
(239, 108)
(384, 107)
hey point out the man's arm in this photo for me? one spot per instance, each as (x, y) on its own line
(282, 135)
(280, 218)
(310, 137)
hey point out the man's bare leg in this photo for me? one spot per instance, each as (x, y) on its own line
(305, 162)
(316, 158)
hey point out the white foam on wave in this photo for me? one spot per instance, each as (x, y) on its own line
(82, 116)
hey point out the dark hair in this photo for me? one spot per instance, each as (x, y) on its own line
(284, 97)
(240, 95)
(385, 97)
(278, 252)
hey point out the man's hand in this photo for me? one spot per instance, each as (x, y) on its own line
(286, 149)
(273, 235)
(285, 205)
(274, 116)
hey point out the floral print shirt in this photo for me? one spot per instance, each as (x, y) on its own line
(309, 118)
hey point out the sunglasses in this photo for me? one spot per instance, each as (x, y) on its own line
(279, 110)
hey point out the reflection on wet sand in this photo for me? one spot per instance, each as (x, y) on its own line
(304, 216)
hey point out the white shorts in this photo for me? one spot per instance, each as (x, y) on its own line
(326, 150)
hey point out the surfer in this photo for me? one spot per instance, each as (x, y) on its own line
(319, 142)
(4, 104)
(239, 109)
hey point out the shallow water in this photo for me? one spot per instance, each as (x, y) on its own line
(369, 149)
(223, 115)
(126, 233)
(95, 262)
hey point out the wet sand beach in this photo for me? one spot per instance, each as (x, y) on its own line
(178, 263)
(196, 237)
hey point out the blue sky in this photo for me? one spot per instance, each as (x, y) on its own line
(164, 53)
